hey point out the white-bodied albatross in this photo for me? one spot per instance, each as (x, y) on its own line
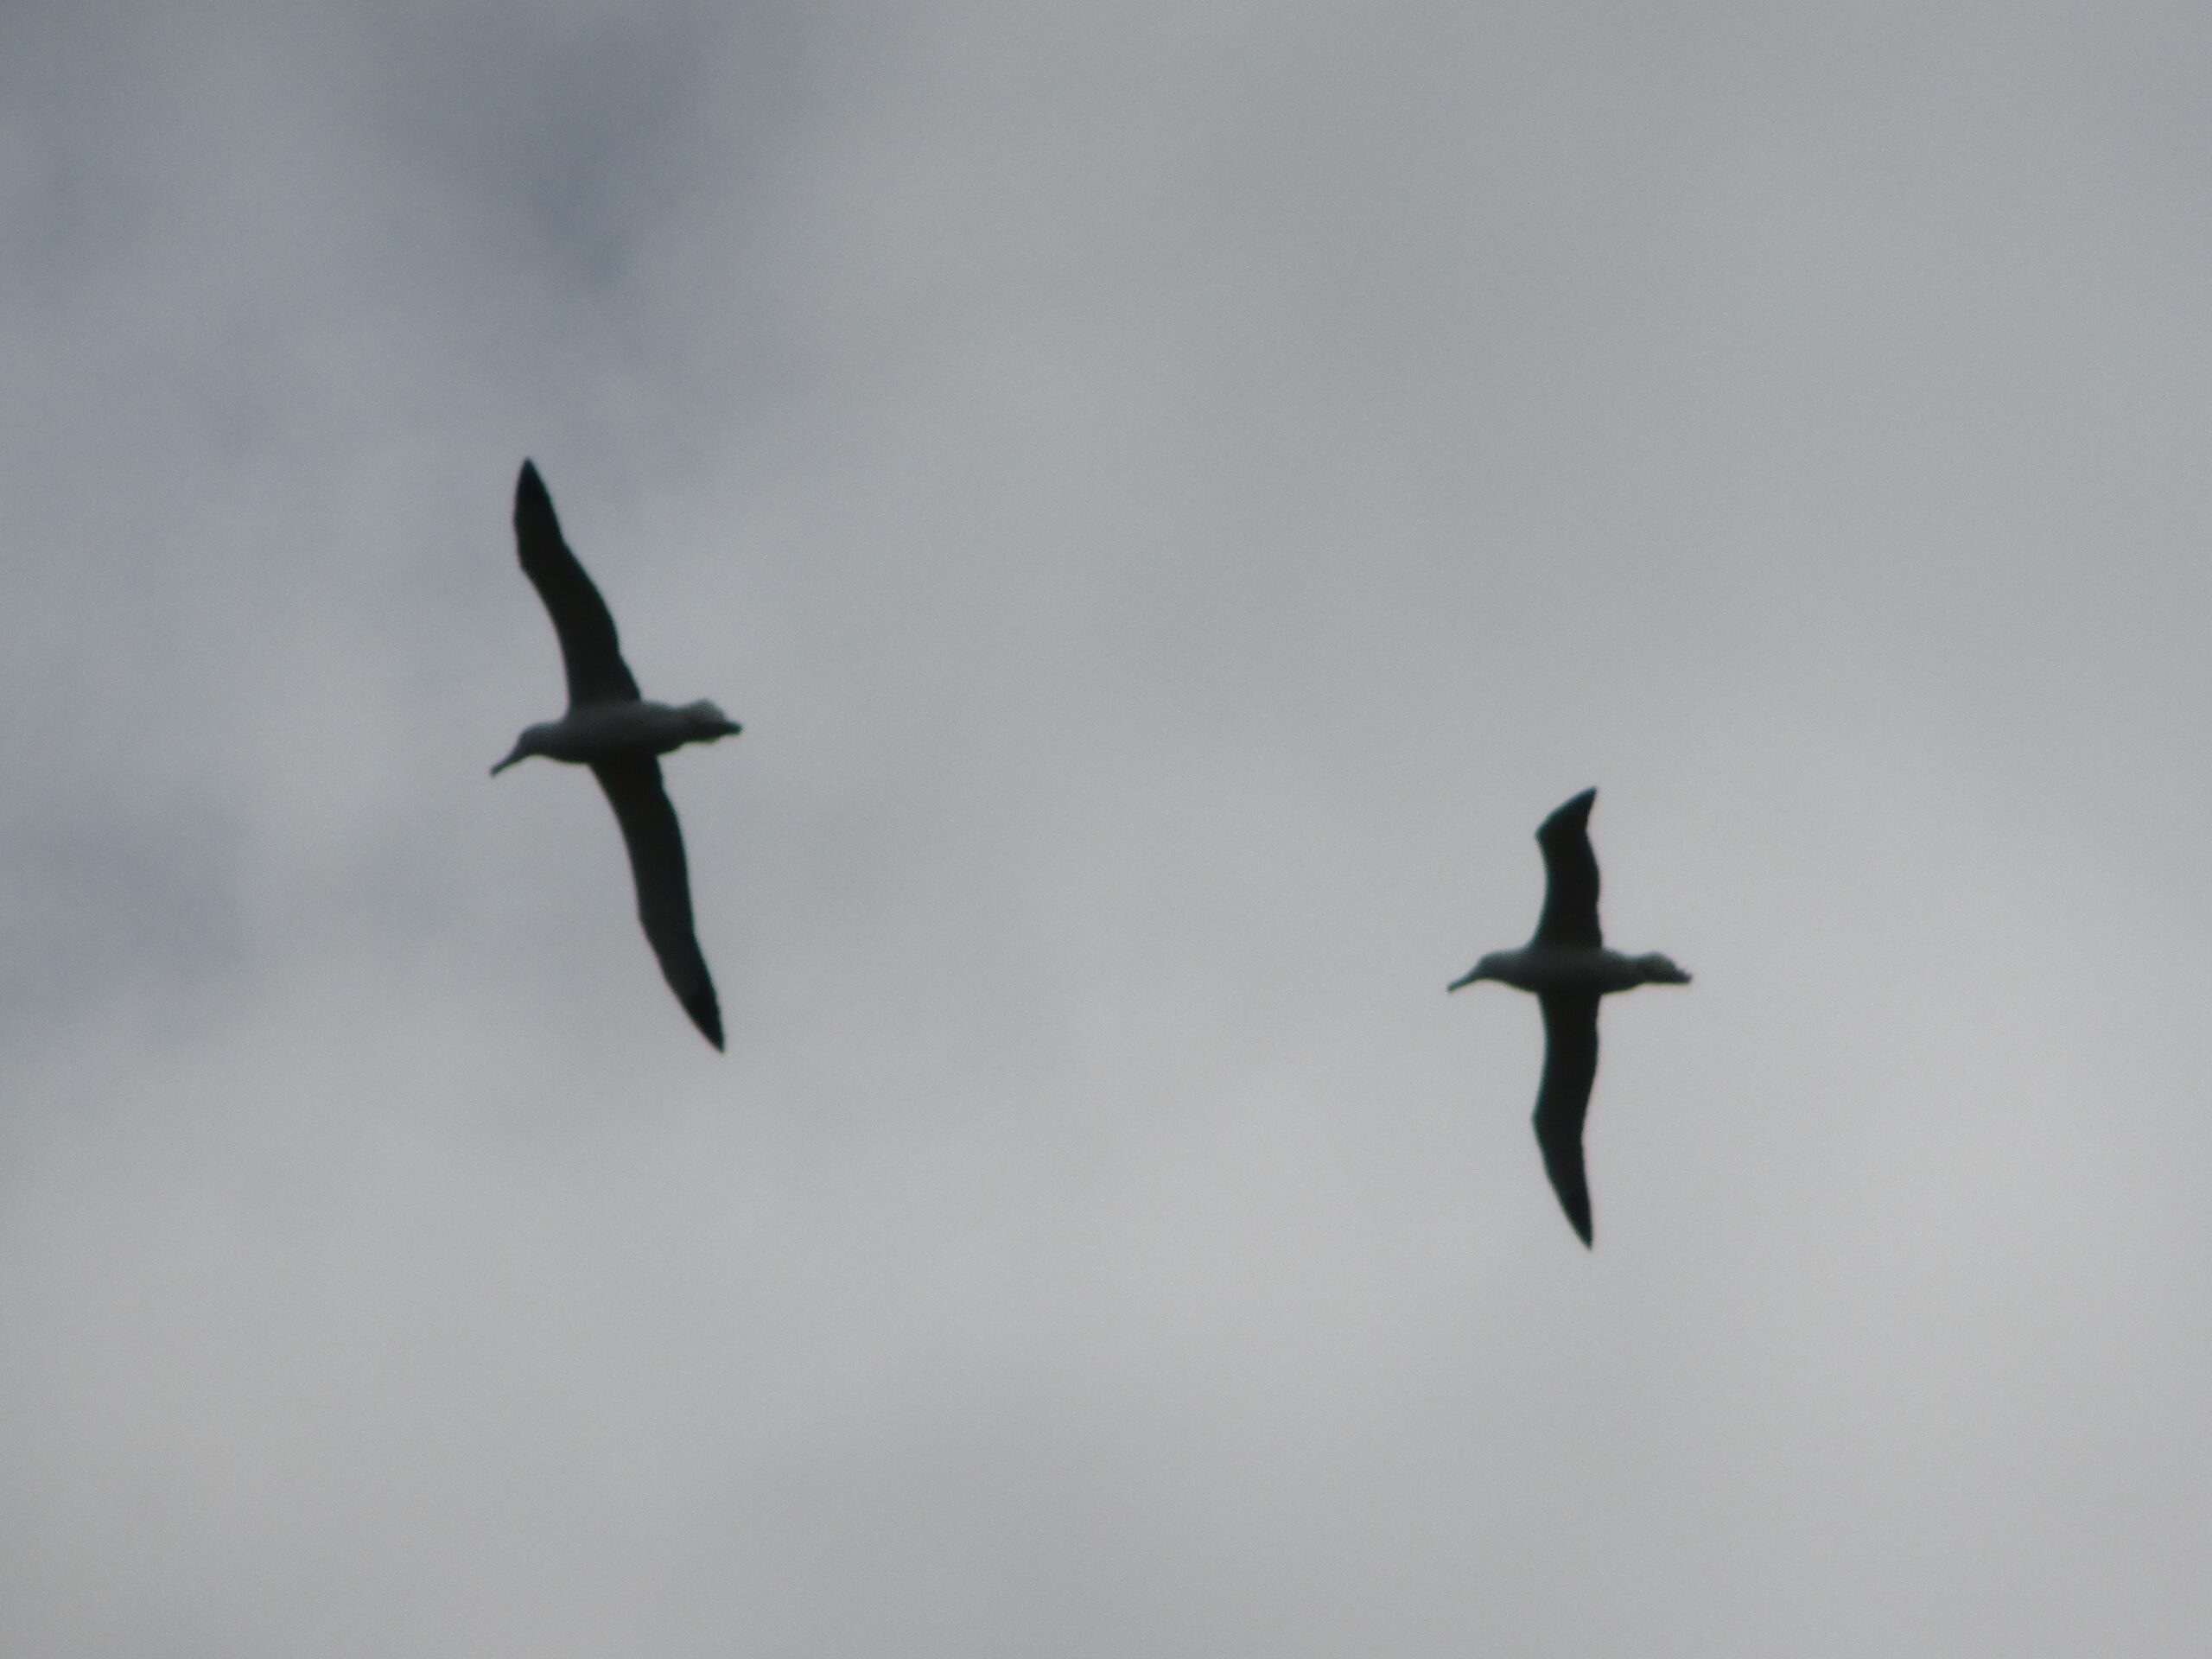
(1568, 968)
(619, 736)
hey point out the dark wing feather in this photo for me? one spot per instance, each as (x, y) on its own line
(656, 843)
(1571, 868)
(1563, 1099)
(589, 648)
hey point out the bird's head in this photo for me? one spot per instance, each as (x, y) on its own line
(1661, 971)
(1487, 968)
(532, 741)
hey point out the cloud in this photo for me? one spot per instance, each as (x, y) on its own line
(1174, 498)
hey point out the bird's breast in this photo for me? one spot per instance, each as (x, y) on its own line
(616, 731)
(1546, 970)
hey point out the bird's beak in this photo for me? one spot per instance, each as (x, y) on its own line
(504, 764)
(1467, 978)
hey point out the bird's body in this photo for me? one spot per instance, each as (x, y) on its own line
(1567, 968)
(620, 737)
(620, 731)
(1571, 970)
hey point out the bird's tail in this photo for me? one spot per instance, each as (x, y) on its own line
(708, 721)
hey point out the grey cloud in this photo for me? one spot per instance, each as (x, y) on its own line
(1174, 496)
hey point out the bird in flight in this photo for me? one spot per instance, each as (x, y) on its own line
(1566, 967)
(620, 737)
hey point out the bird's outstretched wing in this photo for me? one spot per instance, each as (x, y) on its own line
(1563, 1099)
(656, 843)
(589, 648)
(1571, 870)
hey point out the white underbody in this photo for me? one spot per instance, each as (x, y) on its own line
(627, 730)
(1578, 969)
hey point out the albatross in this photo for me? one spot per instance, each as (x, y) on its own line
(620, 737)
(1566, 967)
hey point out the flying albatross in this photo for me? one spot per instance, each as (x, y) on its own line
(619, 736)
(1568, 968)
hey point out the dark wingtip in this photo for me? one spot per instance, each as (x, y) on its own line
(1574, 806)
(535, 519)
(1578, 1216)
(708, 1018)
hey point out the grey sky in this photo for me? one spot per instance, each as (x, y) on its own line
(1175, 495)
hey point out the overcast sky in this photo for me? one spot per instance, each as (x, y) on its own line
(1175, 492)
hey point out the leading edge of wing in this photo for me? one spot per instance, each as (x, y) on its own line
(656, 866)
(590, 652)
(1563, 1101)
(1570, 914)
